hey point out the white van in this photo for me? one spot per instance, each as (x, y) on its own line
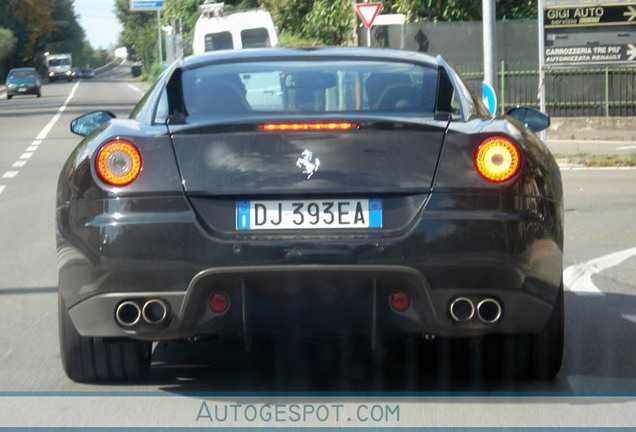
(215, 30)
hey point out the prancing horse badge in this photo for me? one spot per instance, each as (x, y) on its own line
(308, 163)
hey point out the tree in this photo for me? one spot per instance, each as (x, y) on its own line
(68, 36)
(330, 21)
(42, 25)
(139, 33)
(7, 45)
(28, 20)
(459, 10)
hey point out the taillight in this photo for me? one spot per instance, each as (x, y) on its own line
(118, 162)
(307, 126)
(497, 159)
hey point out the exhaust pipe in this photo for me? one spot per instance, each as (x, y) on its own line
(155, 311)
(462, 309)
(127, 314)
(489, 311)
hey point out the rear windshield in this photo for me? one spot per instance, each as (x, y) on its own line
(255, 38)
(218, 41)
(325, 86)
(22, 74)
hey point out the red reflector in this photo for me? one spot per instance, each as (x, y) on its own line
(219, 302)
(400, 302)
(118, 162)
(306, 126)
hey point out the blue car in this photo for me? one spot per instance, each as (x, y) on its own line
(22, 81)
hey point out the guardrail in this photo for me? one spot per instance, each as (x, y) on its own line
(108, 66)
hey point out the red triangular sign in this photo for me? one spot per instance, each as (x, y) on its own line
(367, 12)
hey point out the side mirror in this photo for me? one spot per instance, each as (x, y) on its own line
(83, 125)
(531, 118)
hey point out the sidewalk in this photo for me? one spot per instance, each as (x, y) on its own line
(578, 147)
(602, 136)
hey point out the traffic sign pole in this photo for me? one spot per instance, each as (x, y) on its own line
(490, 42)
(541, 86)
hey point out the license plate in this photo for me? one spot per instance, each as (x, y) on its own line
(22, 89)
(309, 214)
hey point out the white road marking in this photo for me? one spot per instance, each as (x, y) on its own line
(135, 89)
(32, 148)
(41, 136)
(631, 318)
(45, 131)
(578, 277)
(1, 188)
(10, 174)
(584, 168)
(626, 148)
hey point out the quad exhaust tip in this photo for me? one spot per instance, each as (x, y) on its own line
(127, 314)
(155, 311)
(489, 311)
(462, 309)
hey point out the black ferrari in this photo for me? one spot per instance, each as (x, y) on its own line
(307, 192)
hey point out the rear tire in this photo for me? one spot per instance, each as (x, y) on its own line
(9, 96)
(89, 359)
(534, 356)
(547, 346)
(39, 94)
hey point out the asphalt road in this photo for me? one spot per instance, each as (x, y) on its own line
(597, 385)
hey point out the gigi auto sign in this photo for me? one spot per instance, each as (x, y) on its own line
(589, 16)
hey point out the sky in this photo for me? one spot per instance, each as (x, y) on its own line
(98, 19)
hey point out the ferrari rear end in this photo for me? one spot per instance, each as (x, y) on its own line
(306, 193)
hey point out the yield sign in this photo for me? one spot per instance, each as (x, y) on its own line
(367, 12)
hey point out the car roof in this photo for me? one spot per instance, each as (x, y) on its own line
(306, 53)
(23, 69)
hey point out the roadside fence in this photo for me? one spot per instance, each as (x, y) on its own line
(584, 92)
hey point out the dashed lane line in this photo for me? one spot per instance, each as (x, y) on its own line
(38, 140)
(9, 174)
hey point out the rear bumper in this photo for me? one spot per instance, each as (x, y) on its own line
(310, 300)
(28, 91)
(302, 285)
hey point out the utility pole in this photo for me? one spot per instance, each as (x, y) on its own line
(159, 37)
(490, 41)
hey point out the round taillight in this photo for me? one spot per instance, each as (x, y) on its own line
(118, 162)
(400, 302)
(219, 302)
(497, 159)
